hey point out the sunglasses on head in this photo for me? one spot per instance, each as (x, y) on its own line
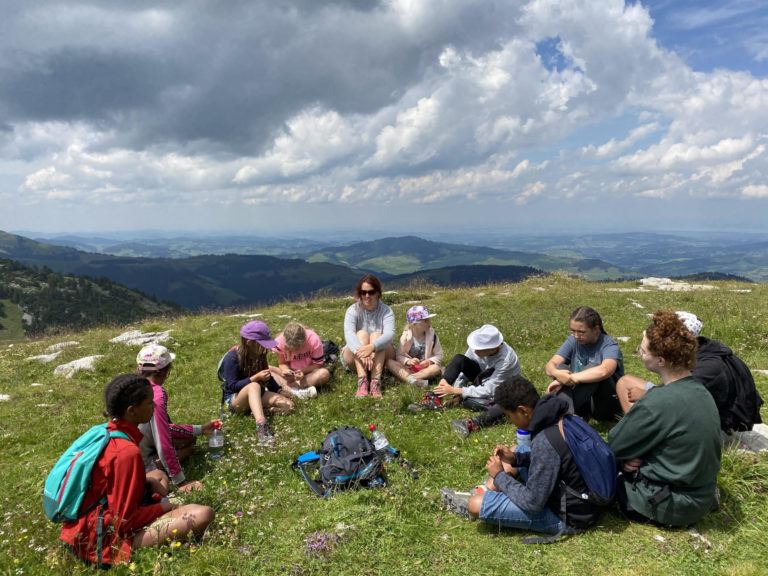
(367, 292)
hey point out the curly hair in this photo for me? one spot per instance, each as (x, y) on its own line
(368, 279)
(588, 316)
(514, 392)
(123, 392)
(669, 338)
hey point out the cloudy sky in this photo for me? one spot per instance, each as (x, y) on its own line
(389, 115)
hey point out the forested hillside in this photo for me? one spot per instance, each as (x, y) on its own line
(50, 301)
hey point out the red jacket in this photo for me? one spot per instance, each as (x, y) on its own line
(118, 473)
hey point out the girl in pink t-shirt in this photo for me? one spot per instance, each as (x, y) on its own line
(300, 361)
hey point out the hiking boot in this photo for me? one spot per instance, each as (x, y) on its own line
(362, 387)
(464, 427)
(428, 402)
(304, 393)
(456, 502)
(420, 382)
(375, 388)
(264, 432)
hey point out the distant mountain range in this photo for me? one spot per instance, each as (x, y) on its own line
(178, 273)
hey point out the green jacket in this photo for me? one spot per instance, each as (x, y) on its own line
(675, 429)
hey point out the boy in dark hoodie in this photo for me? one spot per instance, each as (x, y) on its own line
(535, 503)
(719, 369)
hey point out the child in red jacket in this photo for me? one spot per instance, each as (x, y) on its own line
(119, 473)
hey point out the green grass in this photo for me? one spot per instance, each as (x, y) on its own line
(12, 329)
(267, 518)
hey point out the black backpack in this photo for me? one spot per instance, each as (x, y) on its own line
(743, 406)
(330, 354)
(346, 459)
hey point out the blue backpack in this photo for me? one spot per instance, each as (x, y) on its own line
(595, 462)
(70, 478)
(594, 459)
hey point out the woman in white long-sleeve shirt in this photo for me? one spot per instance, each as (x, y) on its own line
(369, 329)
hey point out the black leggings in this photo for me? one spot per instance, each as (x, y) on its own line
(460, 364)
(596, 400)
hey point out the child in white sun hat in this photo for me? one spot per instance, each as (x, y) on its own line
(420, 353)
(471, 378)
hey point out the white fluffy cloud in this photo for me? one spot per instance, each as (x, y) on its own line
(512, 105)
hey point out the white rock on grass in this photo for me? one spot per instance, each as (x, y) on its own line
(61, 346)
(623, 338)
(45, 358)
(672, 286)
(4, 397)
(761, 372)
(139, 338)
(70, 369)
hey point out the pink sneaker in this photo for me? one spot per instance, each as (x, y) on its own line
(362, 387)
(375, 388)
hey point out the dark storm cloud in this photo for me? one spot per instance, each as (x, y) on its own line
(228, 74)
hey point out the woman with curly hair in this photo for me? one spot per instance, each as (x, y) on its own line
(669, 442)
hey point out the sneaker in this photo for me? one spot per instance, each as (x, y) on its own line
(479, 489)
(428, 402)
(456, 502)
(375, 388)
(304, 393)
(264, 432)
(420, 382)
(464, 427)
(362, 387)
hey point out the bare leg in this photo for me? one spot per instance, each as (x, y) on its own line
(315, 378)
(629, 389)
(398, 370)
(276, 403)
(175, 525)
(474, 504)
(249, 398)
(429, 372)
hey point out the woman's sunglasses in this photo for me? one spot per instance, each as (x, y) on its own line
(368, 292)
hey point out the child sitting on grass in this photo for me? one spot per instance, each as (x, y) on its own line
(472, 377)
(419, 354)
(164, 442)
(248, 382)
(300, 361)
(525, 486)
(108, 533)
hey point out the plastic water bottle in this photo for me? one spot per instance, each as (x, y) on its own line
(381, 444)
(523, 438)
(216, 442)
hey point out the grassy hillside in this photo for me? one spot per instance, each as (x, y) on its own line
(269, 522)
(409, 254)
(50, 301)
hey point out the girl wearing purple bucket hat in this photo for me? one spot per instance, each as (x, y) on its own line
(248, 382)
(420, 353)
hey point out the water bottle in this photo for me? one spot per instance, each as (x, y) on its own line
(523, 438)
(381, 444)
(216, 442)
